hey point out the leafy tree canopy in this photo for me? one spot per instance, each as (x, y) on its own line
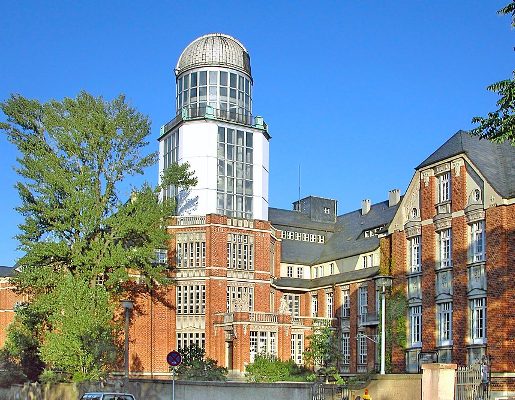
(74, 156)
(499, 125)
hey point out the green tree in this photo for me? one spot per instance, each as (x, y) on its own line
(196, 366)
(74, 157)
(499, 125)
(322, 353)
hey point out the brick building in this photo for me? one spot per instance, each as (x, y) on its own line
(251, 279)
(453, 248)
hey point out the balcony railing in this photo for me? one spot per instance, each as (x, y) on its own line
(191, 112)
(262, 317)
(191, 220)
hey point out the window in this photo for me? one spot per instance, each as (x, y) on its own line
(191, 299)
(362, 349)
(300, 272)
(444, 238)
(345, 347)
(289, 271)
(315, 269)
(262, 342)
(476, 195)
(445, 323)
(191, 250)
(327, 210)
(444, 187)
(240, 251)
(240, 298)
(368, 261)
(345, 303)
(414, 254)
(293, 301)
(478, 320)
(414, 213)
(161, 256)
(329, 298)
(362, 303)
(170, 156)
(314, 305)
(331, 269)
(477, 241)
(234, 173)
(297, 347)
(415, 313)
(186, 339)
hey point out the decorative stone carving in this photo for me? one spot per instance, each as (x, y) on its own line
(425, 176)
(442, 223)
(440, 169)
(474, 215)
(283, 306)
(412, 230)
(456, 165)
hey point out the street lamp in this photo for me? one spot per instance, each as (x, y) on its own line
(127, 305)
(383, 282)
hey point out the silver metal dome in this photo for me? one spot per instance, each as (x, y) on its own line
(214, 49)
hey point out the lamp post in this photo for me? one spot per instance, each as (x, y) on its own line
(383, 281)
(127, 306)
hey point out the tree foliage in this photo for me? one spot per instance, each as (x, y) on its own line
(499, 125)
(268, 368)
(196, 366)
(75, 155)
(322, 353)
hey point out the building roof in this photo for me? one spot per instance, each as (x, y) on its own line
(6, 271)
(343, 238)
(214, 49)
(495, 161)
(330, 280)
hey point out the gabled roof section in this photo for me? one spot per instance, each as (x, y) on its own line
(495, 161)
(6, 271)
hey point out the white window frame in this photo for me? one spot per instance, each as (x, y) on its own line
(345, 303)
(293, 301)
(415, 318)
(362, 350)
(300, 272)
(445, 246)
(297, 347)
(262, 342)
(289, 271)
(314, 305)
(329, 302)
(345, 348)
(477, 241)
(478, 320)
(445, 323)
(444, 187)
(415, 256)
(363, 303)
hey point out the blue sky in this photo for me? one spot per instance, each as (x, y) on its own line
(357, 93)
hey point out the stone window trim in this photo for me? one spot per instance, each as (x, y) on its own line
(474, 214)
(412, 229)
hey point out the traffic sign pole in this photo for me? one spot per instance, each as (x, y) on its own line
(174, 358)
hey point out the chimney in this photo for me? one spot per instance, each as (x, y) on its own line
(394, 196)
(365, 206)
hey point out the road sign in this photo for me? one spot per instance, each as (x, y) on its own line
(174, 358)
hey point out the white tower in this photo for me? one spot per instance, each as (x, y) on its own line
(215, 132)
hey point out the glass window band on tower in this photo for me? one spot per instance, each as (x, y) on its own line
(234, 173)
(225, 90)
(170, 156)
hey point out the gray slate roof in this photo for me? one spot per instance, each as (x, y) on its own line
(309, 284)
(495, 161)
(6, 271)
(344, 238)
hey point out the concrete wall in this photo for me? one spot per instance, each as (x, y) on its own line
(387, 387)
